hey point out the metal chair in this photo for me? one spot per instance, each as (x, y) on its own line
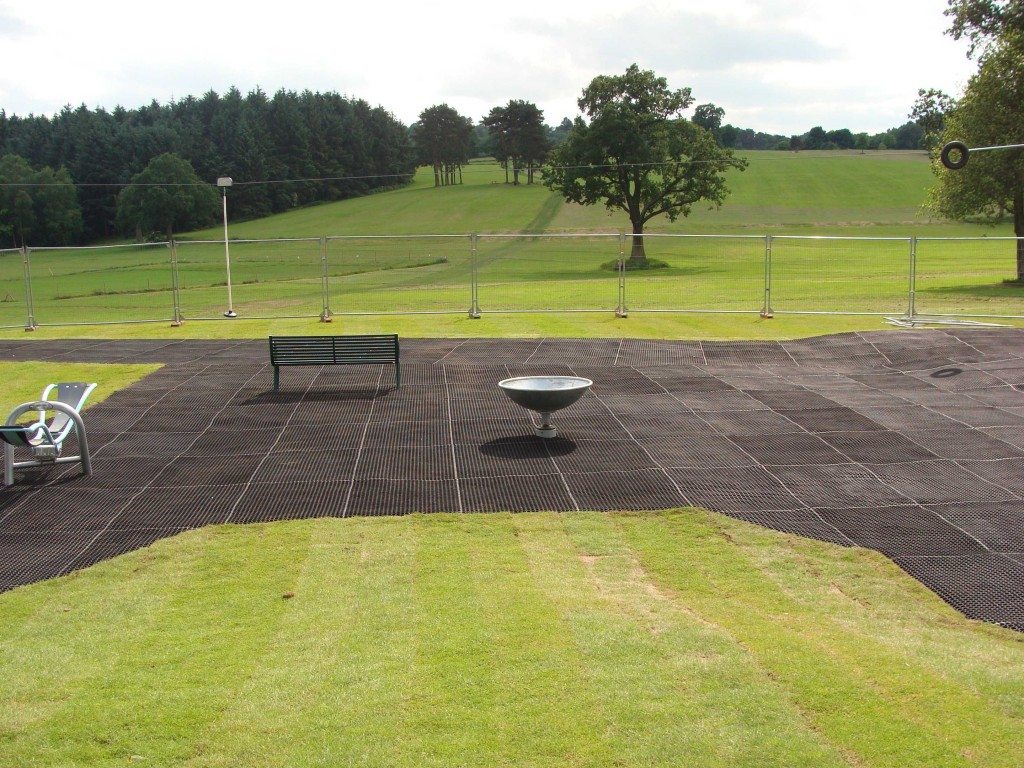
(45, 440)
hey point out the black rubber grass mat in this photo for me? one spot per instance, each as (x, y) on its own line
(987, 586)
(877, 447)
(901, 530)
(525, 456)
(911, 443)
(297, 499)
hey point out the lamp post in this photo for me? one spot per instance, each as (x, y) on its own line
(224, 182)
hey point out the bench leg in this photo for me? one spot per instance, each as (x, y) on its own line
(398, 375)
(277, 377)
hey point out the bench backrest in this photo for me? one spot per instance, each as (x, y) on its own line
(333, 350)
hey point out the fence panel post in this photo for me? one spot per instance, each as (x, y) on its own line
(325, 290)
(620, 309)
(766, 309)
(30, 321)
(176, 319)
(912, 280)
(474, 285)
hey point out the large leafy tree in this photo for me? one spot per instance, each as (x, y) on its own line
(991, 112)
(443, 139)
(165, 197)
(985, 23)
(638, 154)
(37, 207)
(519, 137)
(929, 112)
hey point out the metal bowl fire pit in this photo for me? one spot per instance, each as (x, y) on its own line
(545, 395)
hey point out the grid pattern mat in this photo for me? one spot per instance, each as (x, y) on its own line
(908, 442)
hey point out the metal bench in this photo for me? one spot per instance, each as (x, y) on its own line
(334, 350)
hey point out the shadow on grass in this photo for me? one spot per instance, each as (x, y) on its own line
(1005, 289)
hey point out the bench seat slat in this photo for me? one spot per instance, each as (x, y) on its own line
(366, 349)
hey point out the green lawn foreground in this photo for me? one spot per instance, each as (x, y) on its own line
(581, 639)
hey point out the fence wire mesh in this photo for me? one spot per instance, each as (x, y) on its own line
(840, 275)
(386, 275)
(699, 273)
(13, 311)
(105, 284)
(318, 277)
(269, 278)
(548, 273)
(968, 277)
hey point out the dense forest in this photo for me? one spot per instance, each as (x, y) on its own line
(252, 138)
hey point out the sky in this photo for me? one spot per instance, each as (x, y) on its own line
(774, 66)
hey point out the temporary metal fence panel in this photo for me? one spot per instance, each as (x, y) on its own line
(698, 273)
(102, 284)
(316, 277)
(840, 275)
(399, 274)
(13, 309)
(531, 273)
(969, 277)
(269, 278)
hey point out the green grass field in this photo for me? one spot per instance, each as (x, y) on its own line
(525, 262)
(680, 638)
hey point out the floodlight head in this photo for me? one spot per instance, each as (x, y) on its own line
(224, 181)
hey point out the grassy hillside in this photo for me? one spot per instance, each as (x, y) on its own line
(490, 640)
(834, 192)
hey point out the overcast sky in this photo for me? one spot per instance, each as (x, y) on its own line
(776, 66)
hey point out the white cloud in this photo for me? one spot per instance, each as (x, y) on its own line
(773, 65)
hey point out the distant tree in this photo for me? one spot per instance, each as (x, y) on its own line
(909, 136)
(709, 117)
(929, 112)
(37, 207)
(165, 197)
(796, 143)
(57, 208)
(816, 138)
(519, 137)
(638, 155)
(840, 139)
(17, 212)
(990, 113)
(727, 135)
(442, 138)
(481, 144)
(559, 133)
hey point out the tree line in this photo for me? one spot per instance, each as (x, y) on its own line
(350, 147)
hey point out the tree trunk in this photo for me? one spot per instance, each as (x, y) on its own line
(437, 175)
(637, 254)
